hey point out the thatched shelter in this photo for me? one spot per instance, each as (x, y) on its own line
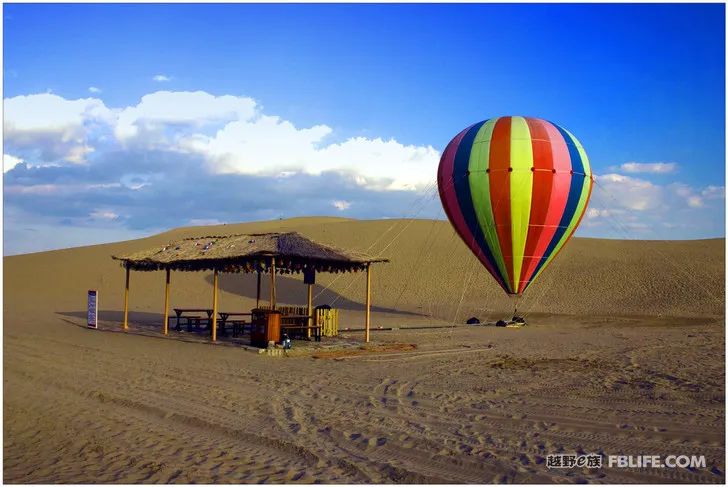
(273, 253)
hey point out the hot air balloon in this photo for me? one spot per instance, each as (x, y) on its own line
(515, 190)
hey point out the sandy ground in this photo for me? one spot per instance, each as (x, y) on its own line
(466, 404)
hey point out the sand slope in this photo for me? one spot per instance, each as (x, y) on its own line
(431, 270)
(606, 374)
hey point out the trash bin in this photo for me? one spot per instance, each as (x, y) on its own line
(265, 327)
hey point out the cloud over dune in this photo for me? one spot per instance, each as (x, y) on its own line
(649, 167)
(10, 162)
(176, 157)
(632, 207)
(47, 128)
(166, 112)
(232, 134)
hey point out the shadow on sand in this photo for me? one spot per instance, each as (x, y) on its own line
(117, 316)
(150, 325)
(292, 291)
(288, 290)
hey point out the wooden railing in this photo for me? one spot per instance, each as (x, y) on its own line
(328, 319)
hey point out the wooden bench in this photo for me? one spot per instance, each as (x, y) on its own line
(238, 325)
(192, 319)
(304, 329)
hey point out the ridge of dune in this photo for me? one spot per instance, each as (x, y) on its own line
(430, 273)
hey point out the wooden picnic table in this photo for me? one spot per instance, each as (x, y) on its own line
(224, 315)
(315, 328)
(306, 327)
(181, 311)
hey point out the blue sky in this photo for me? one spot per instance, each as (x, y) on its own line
(367, 95)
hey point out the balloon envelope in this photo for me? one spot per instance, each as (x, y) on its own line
(514, 189)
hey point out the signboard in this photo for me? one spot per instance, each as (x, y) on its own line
(309, 276)
(93, 309)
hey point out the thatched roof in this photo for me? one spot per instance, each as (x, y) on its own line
(248, 253)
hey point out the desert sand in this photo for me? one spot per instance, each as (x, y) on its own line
(624, 355)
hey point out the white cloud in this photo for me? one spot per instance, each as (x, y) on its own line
(77, 154)
(682, 190)
(56, 189)
(247, 141)
(262, 145)
(649, 167)
(380, 164)
(695, 201)
(47, 111)
(52, 127)
(159, 111)
(136, 181)
(713, 192)
(104, 215)
(10, 162)
(93, 89)
(102, 186)
(628, 207)
(268, 145)
(632, 193)
(697, 198)
(160, 78)
(230, 133)
(641, 195)
(34, 189)
(594, 213)
(341, 205)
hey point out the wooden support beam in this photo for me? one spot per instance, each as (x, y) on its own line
(273, 284)
(126, 300)
(257, 293)
(310, 309)
(166, 304)
(214, 306)
(369, 302)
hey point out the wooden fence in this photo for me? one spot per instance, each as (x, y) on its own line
(327, 318)
(288, 310)
(329, 321)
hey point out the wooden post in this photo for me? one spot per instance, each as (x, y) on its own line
(166, 304)
(273, 284)
(310, 309)
(257, 293)
(214, 306)
(126, 299)
(369, 302)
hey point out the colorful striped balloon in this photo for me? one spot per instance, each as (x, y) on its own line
(515, 189)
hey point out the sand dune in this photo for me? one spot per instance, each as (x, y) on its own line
(625, 355)
(431, 270)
